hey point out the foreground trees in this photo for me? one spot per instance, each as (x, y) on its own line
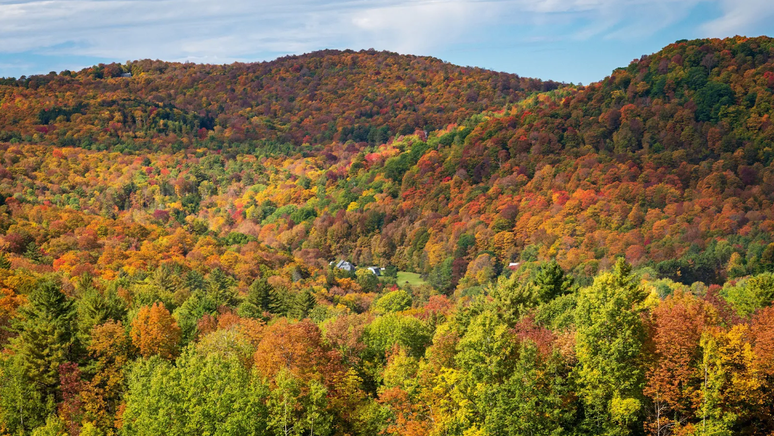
(533, 354)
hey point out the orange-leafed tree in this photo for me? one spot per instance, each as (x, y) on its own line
(110, 350)
(154, 331)
(674, 381)
(299, 348)
(762, 330)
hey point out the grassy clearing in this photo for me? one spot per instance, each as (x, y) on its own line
(410, 278)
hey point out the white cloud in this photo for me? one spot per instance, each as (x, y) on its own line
(741, 18)
(223, 31)
(419, 26)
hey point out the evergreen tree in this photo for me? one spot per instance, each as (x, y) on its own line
(261, 298)
(162, 285)
(167, 281)
(441, 276)
(277, 303)
(220, 287)
(95, 308)
(191, 311)
(33, 253)
(194, 281)
(303, 304)
(45, 335)
(552, 282)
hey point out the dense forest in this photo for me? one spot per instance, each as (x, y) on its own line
(325, 96)
(552, 259)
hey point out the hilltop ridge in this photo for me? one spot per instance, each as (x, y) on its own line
(364, 96)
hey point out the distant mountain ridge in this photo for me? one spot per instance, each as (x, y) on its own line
(324, 96)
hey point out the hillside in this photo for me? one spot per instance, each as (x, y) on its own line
(582, 175)
(364, 96)
(557, 259)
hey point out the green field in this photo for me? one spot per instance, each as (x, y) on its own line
(410, 278)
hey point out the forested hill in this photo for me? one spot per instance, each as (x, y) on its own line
(666, 162)
(364, 96)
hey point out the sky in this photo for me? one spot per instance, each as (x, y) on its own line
(578, 41)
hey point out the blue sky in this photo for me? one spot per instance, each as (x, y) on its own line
(566, 40)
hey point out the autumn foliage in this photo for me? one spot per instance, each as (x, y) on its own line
(155, 332)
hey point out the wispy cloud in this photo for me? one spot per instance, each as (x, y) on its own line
(223, 31)
(739, 17)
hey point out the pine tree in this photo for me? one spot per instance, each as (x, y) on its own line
(552, 282)
(191, 311)
(45, 335)
(95, 308)
(259, 299)
(277, 303)
(33, 252)
(512, 299)
(194, 281)
(165, 280)
(220, 287)
(303, 304)
(162, 285)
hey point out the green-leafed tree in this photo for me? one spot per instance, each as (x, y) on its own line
(53, 427)
(22, 406)
(220, 288)
(536, 399)
(394, 301)
(95, 307)
(191, 311)
(296, 408)
(209, 394)
(367, 280)
(154, 401)
(755, 293)
(487, 350)
(162, 285)
(609, 342)
(441, 277)
(511, 298)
